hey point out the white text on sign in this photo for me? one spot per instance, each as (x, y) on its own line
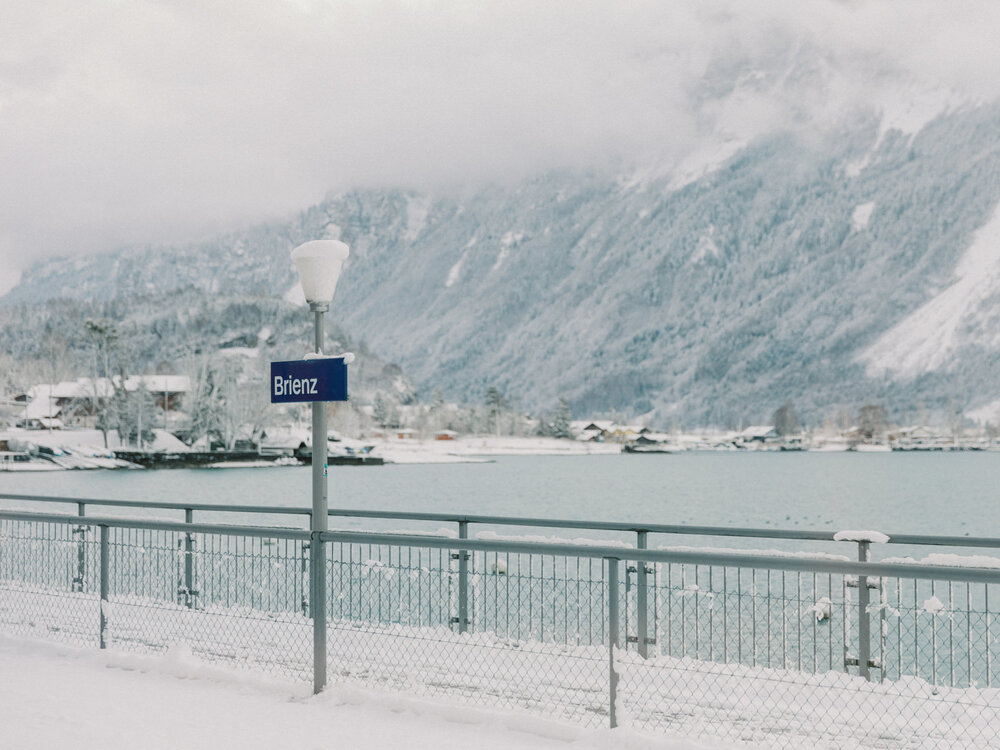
(294, 386)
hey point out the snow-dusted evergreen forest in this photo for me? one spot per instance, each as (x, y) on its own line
(222, 344)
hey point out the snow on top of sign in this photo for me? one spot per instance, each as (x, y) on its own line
(348, 357)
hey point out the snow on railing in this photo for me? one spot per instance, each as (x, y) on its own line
(874, 537)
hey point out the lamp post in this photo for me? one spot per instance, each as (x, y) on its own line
(319, 263)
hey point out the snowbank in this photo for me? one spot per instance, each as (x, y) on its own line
(87, 699)
(472, 449)
(92, 439)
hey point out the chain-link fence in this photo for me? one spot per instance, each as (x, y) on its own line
(771, 657)
(793, 651)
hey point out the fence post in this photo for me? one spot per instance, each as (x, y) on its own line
(79, 583)
(641, 605)
(612, 639)
(189, 560)
(306, 579)
(317, 604)
(105, 586)
(864, 618)
(463, 580)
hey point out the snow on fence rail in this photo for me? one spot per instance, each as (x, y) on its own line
(747, 647)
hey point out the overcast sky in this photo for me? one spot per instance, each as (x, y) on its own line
(132, 122)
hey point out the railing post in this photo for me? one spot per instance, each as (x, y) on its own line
(306, 578)
(612, 640)
(463, 580)
(79, 583)
(641, 601)
(105, 586)
(317, 587)
(189, 560)
(864, 617)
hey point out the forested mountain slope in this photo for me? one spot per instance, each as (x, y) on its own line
(859, 267)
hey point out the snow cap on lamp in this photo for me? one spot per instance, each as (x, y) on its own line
(319, 263)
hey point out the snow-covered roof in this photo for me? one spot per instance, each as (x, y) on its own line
(160, 383)
(916, 431)
(759, 430)
(44, 398)
(69, 389)
(600, 424)
(657, 437)
(44, 403)
(101, 387)
(623, 428)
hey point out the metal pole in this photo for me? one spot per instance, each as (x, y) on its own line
(305, 578)
(864, 623)
(105, 586)
(612, 640)
(79, 583)
(641, 594)
(189, 561)
(463, 580)
(319, 523)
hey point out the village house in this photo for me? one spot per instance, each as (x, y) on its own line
(758, 436)
(77, 402)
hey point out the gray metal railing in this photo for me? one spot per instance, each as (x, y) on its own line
(690, 638)
(642, 638)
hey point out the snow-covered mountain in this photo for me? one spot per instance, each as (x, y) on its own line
(857, 266)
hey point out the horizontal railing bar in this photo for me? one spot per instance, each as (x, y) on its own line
(592, 525)
(730, 531)
(168, 505)
(945, 541)
(722, 559)
(734, 559)
(269, 532)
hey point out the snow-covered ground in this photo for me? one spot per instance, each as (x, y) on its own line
(532, 680)
(56, 696)
(927, 339)
(463, 449)
(68, 438)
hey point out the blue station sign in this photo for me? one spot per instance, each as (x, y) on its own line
(320, 379)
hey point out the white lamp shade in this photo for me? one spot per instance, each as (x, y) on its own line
(319, 263)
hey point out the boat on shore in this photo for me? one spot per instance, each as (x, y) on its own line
(871, 448)
(650, 448)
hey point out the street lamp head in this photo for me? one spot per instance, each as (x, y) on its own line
(319, 263)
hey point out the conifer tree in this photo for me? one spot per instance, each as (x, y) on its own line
(561, 420)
